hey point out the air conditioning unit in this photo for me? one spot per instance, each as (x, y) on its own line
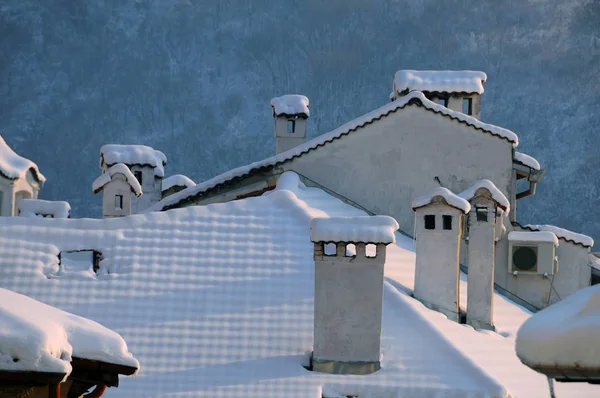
(532, 253)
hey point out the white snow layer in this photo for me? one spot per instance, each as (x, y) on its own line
(450, 198)
(111, 154)
(107, 177)
(37, 337)
(177, 180)
(35, 207)
(446, 81)
(497, 195)
(291, 104)
(217, 301)
(527, 160)
(14, 166)
(338, 132)
(564, 234)
(539, 236)
(364, 229)
(565, 333)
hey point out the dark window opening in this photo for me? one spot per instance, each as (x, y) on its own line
(119, 202)
(429, 221)
(468, 106)
(138, 176)
(291, 126)
(447, 222)
(482, 214)
(443, 102)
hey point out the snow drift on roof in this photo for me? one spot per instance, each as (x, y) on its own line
(290, 105)
(130, 155)
(564, 234)
(13, 166)
(538, 236)
(527, 160)
(450, 198)
(367, 229)
(37, 337)
(56, 209)
(565, 333)
(118, 168)
(445, 81)
(497, 195)
(177, 180)
(339, 132)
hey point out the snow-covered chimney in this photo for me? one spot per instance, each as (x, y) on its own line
(349, 292)
(438, 227)
(459, 90)
(290, 113)
(488, 208)
(119, 186)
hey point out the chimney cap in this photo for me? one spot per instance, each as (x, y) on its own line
(496, 195)
(448, 197)
(290, 105)
(363, 229)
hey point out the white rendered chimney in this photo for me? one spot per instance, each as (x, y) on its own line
(438, 227)
(349, 292)
(291, 114)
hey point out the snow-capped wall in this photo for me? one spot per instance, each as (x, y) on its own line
(37, 207)
(368, 229)
(177, 180)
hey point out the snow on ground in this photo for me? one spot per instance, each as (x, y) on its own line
(118, 168)
(564, 334)
(14, 166)
(111, 154)
(217, 301)
(564, 234)
(334, 134)
(177, 180)
(365, 229)
(37, 337)
(35, 207)
(497, 195)
(527, 160)
(291, 104)
(536, 236)
(450, 198)
(447, 81)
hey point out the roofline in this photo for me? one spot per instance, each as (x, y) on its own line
(412, 101)
(439, 93)
(26, 376)
(527, 228)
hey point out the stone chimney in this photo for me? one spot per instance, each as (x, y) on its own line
(458, 90)
(119, 186)
(488, 208)
(438, 228)
(291, 114)
(349, 292)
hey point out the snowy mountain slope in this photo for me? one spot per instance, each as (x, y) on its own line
(193, 78)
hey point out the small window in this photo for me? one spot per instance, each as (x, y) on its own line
(138, 176)
(119, 202)
(482, 214)
(291, 126)
(443, 102)
(467, 106)
(430, 221)
(371, 250)
(447, 222)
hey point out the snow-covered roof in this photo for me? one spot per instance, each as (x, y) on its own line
(39, 338)
(451, 199)
(414, 98)
(177, 180)
(107, 177)
(527, 160)
(562, 233)
(442, 81)
(363, 229)
(13, 166)
(130, 155)
(564, 334)
(37, 207)
(497, 195)
(217, 301)
(290, 105)
(537, 236)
